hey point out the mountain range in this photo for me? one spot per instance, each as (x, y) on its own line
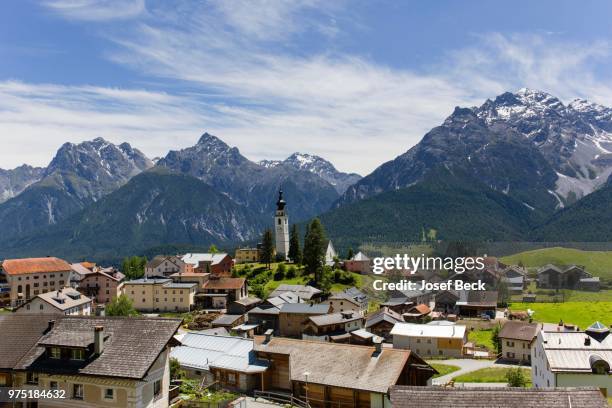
(522, 166)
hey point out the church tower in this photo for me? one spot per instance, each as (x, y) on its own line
(281, 228)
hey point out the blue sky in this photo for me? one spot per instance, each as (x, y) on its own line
(357, 82)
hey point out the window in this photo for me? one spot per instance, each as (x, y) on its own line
(77, 354)
(157, 388)
(55, 352)
(32, 378)
(428, 341)
(77, 391)
(231, 378)
(418, 340)
(198, 372)
(109, 393)
(41, 307)
(53, 385)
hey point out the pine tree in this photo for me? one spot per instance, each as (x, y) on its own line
(314, 249)
(295, 252)
(350, 254)
(267, 248)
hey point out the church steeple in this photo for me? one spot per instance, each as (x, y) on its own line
(280, 204)
(281, 227)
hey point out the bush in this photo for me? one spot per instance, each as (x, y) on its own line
(516, 377)
(279, 275)
(291, 272)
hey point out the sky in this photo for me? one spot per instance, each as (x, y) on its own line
(356, 82)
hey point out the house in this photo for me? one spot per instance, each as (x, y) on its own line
(242, 306)
(359, 263)
(246, 255)
(266, 315)
(349, 299)
(515, 278)
(28, 277)
(219, 264)
(229, 360)
(159, 294)
(517, 338)
(79, 271)
(332, 327)
(228, 321)
(430, 340)
(66, 301)
(573, 358)
(102, 284)
(165, 266)
(570, 277)
(382, 321)
(364, 337)
(402, 301)
(446, 301)
(417, 313)
(477, 302)
(191, 277)
(292, 317)
(305, 292)
(96, 361)
(219, 292)
(330, 254)
(335, 374)
(483, 397)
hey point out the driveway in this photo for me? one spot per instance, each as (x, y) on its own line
(466, 366)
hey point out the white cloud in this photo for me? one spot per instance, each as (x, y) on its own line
(97, 10)
(251, 85)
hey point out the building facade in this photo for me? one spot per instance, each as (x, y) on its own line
(29, 277)
(159, 295)
(246, 255)
(66, 301)
(430, 340)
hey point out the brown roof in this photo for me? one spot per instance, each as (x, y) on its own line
(422, 308)
(18, 334)
(224, 283)
(481, 397)
(132, 345)
(339, 365)
(519, 330)
(35, 265)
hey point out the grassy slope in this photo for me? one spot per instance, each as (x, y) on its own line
(490, 374)
(582, 314)
(599, 263)
(482, 338)
(443, 369)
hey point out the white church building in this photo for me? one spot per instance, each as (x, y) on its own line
(281, 227)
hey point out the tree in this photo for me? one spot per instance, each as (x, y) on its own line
(267, 248)
(503, 293)
(175, 369)
(350, 254)
(516, 377)
(213, 249)
(495, 339)
(295, 252)
(314, 249)
(121, 306)
(133, 267)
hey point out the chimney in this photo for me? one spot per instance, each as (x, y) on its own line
(377, 347)
(268, 335)
(98, 340)
(50, 326)
(587, 341)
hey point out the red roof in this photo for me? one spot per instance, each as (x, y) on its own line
(224, 283)
(35, 265)
(423, 308)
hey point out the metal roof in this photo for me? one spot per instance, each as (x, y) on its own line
(203, 351)
(425, 330)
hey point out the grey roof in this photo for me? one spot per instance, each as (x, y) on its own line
(334, 318)
(202, 351)
(305, 308)
(485, 298)
(303, 291)
(226, 319)
(18, 334)
(566, 351)
(287, 297)
(67, 338)
(62, 300)
(265, 311)
(247, 301)
(383, 315)
(481, 397)
(351, 294)
(132, 346)
(360, 256)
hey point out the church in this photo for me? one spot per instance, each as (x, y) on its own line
(281, 228)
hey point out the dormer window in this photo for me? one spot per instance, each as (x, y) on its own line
(55, 352)
(77, 354)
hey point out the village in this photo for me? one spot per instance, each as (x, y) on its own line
(281, 325)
